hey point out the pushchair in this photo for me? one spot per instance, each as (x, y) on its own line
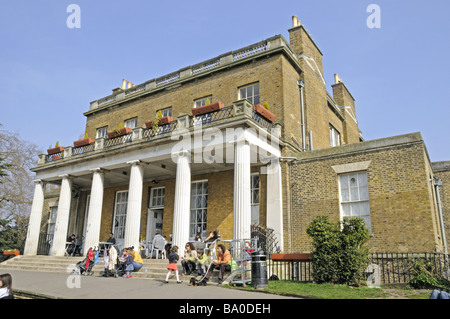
(112, 264)
(85, 266)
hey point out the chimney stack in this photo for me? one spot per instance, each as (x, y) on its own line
(295, 22)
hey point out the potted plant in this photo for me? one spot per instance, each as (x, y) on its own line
(85, 141)
(119, 131)
(160, 120)
(208, 108)
(263, 110)
(56, 149)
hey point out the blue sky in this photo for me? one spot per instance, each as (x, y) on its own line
(398, 74)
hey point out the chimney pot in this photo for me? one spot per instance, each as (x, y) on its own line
(124, 84)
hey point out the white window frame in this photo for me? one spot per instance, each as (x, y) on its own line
(335, 136)
(131, 123)
(254, 198)
(119, 233)
(202, 101)
(165, 111)
(354, 196)
(52, 221)
(198, 206)
(101, 132)
(249, 92)
(157, 195)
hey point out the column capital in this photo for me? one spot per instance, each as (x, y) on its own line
(98, 169)
(135, 162)
(66, 176)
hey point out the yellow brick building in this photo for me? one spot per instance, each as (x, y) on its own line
(252, 137)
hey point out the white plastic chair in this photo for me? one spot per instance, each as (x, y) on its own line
(211, 247)
(158, 246)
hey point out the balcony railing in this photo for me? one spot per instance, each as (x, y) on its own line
(162, 130)
(242, 109)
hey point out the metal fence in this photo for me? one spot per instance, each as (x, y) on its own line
(388, 268)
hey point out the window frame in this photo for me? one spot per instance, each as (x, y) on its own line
(203, 210)
(126, 122)
(333, 134)
(103, 130)
(202, 101)
(252, 100)
(353, 203)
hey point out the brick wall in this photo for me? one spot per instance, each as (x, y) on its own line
(442, 171)
(401, 214)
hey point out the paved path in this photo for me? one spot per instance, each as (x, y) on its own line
(95, 287)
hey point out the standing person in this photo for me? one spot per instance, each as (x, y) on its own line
(6, 291)
(221, 263)
(173, 259)
(111, 239)
(189, 259)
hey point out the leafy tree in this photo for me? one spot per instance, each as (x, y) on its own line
(339, 254)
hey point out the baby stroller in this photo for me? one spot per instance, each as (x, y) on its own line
(110, 262)
(85, 266)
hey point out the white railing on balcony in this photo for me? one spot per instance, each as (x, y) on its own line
(250, 50)
(205, 66)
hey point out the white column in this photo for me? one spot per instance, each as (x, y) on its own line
(275, 200)
(134, 206)
(242, 206)
(62, 217)
(181, 210)
(94, 217)
(34, 225)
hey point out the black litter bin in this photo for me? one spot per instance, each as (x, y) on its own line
(259, 270)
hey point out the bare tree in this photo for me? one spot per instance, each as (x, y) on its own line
(17, 187)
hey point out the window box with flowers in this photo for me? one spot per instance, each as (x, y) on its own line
(208, 108)
(263, 110)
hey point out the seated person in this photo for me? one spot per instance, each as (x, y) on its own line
(221, 263)
(189, 259)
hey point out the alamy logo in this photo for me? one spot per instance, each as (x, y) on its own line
(74, 19)
(374, 19)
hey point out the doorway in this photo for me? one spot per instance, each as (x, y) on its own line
(155, 214)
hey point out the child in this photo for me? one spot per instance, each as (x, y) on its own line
(128, 263)
(6, 287)
(202, 262)
(173, 259)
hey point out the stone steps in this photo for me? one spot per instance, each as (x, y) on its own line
(151, 269)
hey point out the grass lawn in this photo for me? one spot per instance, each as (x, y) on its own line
(330, 291)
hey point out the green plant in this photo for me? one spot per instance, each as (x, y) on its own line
(86, 136)
(425, 276)
(57, 144)
(266, 105)
(207, 102)
(339, 255)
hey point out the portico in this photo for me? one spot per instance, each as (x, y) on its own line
(235, 144)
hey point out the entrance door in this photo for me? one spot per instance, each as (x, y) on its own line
(155, 212)
(154, 223)
(120, 217)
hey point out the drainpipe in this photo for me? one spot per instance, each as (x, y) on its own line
(437, 183)
(301, 85)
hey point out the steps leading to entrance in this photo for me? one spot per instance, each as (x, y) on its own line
(151, 269)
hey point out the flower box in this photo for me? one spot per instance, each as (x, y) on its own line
(55, 150)
(83, 142)
(290, 257)
(162, 121)
(264, 112)
(119, 132)
(216, 106)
